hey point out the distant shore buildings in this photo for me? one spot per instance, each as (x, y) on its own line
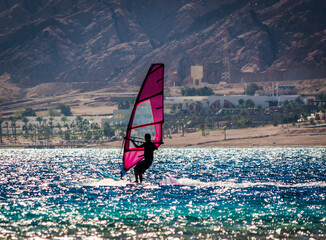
(120, 117)
(286, 90)
(218, 102)
(197, 75)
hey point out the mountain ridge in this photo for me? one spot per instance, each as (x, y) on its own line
(114, 41)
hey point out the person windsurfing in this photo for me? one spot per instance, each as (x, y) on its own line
(142, 166)
(147, 113)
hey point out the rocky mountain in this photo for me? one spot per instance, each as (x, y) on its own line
(112, 41)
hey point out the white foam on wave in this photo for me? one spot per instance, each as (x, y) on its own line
(107, 182)
(170, 180)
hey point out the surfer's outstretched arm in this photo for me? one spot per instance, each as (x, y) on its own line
(136, 145)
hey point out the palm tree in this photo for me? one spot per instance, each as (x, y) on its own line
(7, 126)
(79, 120)
(322, 109)
(84, 126)
(295, 108)
(64, 120)
(95, 127)
(249, 103)
(67, 131)
(51, 126)
(202, 127)
(241, 102)
(44, 122)
(71, 129)
(60, 130)
(39, 119)
(298, 101)
(173, 110)
(44, 129)
(35, 128)
(287, 107)
(304, 115)
(261, 113)
(72, 125)
(13, 127)
(25, 121)
(224, 128)
(1, 121)
(31, 128)
(47, 133)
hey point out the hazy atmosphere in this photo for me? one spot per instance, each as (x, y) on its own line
(107, 42)
(229, 94)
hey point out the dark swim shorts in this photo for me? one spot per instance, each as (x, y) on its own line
(142, 166)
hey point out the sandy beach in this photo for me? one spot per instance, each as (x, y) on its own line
(250, 137)
(278, 136)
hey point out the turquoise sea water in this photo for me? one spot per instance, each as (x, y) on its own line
(236, 193)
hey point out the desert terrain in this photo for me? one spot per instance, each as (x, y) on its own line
(92, 99)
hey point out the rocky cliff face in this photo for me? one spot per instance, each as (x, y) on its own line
(116, 41)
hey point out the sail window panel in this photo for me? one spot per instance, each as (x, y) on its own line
(138, 133)
(143, 114)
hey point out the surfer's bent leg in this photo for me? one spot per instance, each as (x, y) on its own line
(137, 175)
(141, 168)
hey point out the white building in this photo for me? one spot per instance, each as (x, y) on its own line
(120, 117)
(193, 102)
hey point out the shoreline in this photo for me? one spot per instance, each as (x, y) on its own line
(170, 147)
(268, 136)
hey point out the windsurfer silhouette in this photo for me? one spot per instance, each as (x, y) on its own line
(142, 166)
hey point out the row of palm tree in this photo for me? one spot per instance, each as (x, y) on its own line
(194, 118)
(13, 121)
(245, 115)
(44, 129)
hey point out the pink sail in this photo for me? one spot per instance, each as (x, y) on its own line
(147, 116)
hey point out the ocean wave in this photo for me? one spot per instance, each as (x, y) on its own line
(170, 180)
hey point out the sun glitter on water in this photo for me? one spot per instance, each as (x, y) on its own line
(188, 193)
